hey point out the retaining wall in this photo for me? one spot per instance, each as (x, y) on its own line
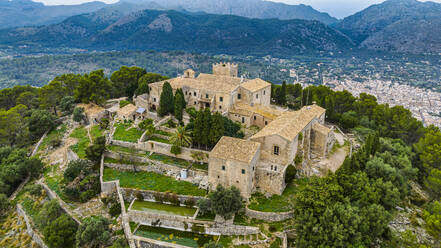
(130, 194)
(35, 237)
(162, 148)
(269, 216)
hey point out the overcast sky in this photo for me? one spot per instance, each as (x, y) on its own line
(336, 8)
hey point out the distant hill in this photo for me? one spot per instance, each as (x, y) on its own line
(247, 8)
(396, 25)
(112, 29)
(18, 13)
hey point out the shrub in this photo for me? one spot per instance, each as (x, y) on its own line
(78, 114)
(139, 196)
(158, 197)
(93, 232)
(115, 209)
(145, 123)
(34, 189)
(298, 160)
(173, 199)
(104, 123)
(197, 228)
(190, 202)
(75, 168)
(176, 150)
(272, 228)
(291, 172)
(72, 193)
(55, 142)
(87, 195)
(171, 123)
(4, 203)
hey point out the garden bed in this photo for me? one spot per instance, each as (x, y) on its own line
(160, 208)
(131, 135)
(189, 239)
(151, 181)
(80, 134)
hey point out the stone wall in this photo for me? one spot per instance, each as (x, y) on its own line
(35, 237)
(162, 148)
(130, 194)
(142, 242)
(269, 216)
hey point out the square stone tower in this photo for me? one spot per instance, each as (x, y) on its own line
(225, 69)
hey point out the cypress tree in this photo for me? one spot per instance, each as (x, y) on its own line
(179, 108)
(198, 126)
(206, 126)
(183, 103)
(282, 96)
(217, 129)
(166, 105)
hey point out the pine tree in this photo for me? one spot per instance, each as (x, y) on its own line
(217, 129)
(166, 105)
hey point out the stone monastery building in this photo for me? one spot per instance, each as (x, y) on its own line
(259, 163)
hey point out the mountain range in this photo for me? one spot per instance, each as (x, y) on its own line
(228, 26)
(111, 29)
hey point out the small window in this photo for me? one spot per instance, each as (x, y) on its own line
(276, 150)
(194, 93)
(153, 146)
(266, 123)
(254, 117)
(275, 168)
(238, 96)
(272, 167)
(237, 181)
(218, 177)
(206, 95)
(221, 99)
(154, 99)
(186, 93)
(150, 88)
(243, 119)
(263, 92)
(243, 171)
(253, 168)
(195, 103)
(223, 167)
(220, 107)
(257, 96)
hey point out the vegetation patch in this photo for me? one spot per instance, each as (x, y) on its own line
(96, 132)
(127, 150)
(131, 135)
(169, 160)
(161, 208)
(152, 181)
(117, 161)
(189, 239)
(53, 136)
(159, 139)
(80, 134)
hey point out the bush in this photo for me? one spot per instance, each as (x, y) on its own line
(298, 160)
(87, 195)
(272, 228)
(190, 202)
(115, 209)
(197, 228)
(176, 150)
(104, 123)
(78, 114)
(139, 196)
(93, 232)
(34, 189)
(73, 193)
(171, 123)
(291, 172)
(60, 232)
(144, 124)
(75, 168)
(158, 197)
(173, 199)
(55, 142)
(4, 203)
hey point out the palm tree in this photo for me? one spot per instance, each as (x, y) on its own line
(149, 131)
(181, 137)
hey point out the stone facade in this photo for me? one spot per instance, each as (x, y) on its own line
(268, 216)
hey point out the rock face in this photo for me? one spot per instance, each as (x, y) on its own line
(162, 23)
(396, 25)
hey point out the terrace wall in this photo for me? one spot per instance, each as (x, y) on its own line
(162, 148)
(35, 237)
(269, 216)
(130, 194)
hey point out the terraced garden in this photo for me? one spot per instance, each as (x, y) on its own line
(160, 208)
(152, 181)
(174, 236)
(53, 135)
(130, 135)
(80, 134)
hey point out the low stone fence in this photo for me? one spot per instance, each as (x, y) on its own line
(162, 148)
(130, 194)
(35, 237)
(268, 216)
(142, 242)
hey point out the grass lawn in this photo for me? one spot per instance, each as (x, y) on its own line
(157, 131)
(52, 135)
(152, 181)
(160, 140)
(174, 236)
(96, 132)
(131, 135)
(277, 203)
(170, 160)
(160, 208)
(80, 134)
(203, 166)
(131, 151)
(116, 161)
(207, 216)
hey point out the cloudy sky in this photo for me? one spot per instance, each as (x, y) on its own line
(336, 8)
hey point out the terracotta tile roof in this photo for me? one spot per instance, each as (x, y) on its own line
(255, 84)
(321, 128)
(200, 84)
(126, 110)
(248, 110)
(236, 149)
(291, 123)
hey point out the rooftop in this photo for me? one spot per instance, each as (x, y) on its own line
(255, 84)
(126, 110)
(236, 149)
(321, 128)
(291, 123)
(248, 110)
(91, 108)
